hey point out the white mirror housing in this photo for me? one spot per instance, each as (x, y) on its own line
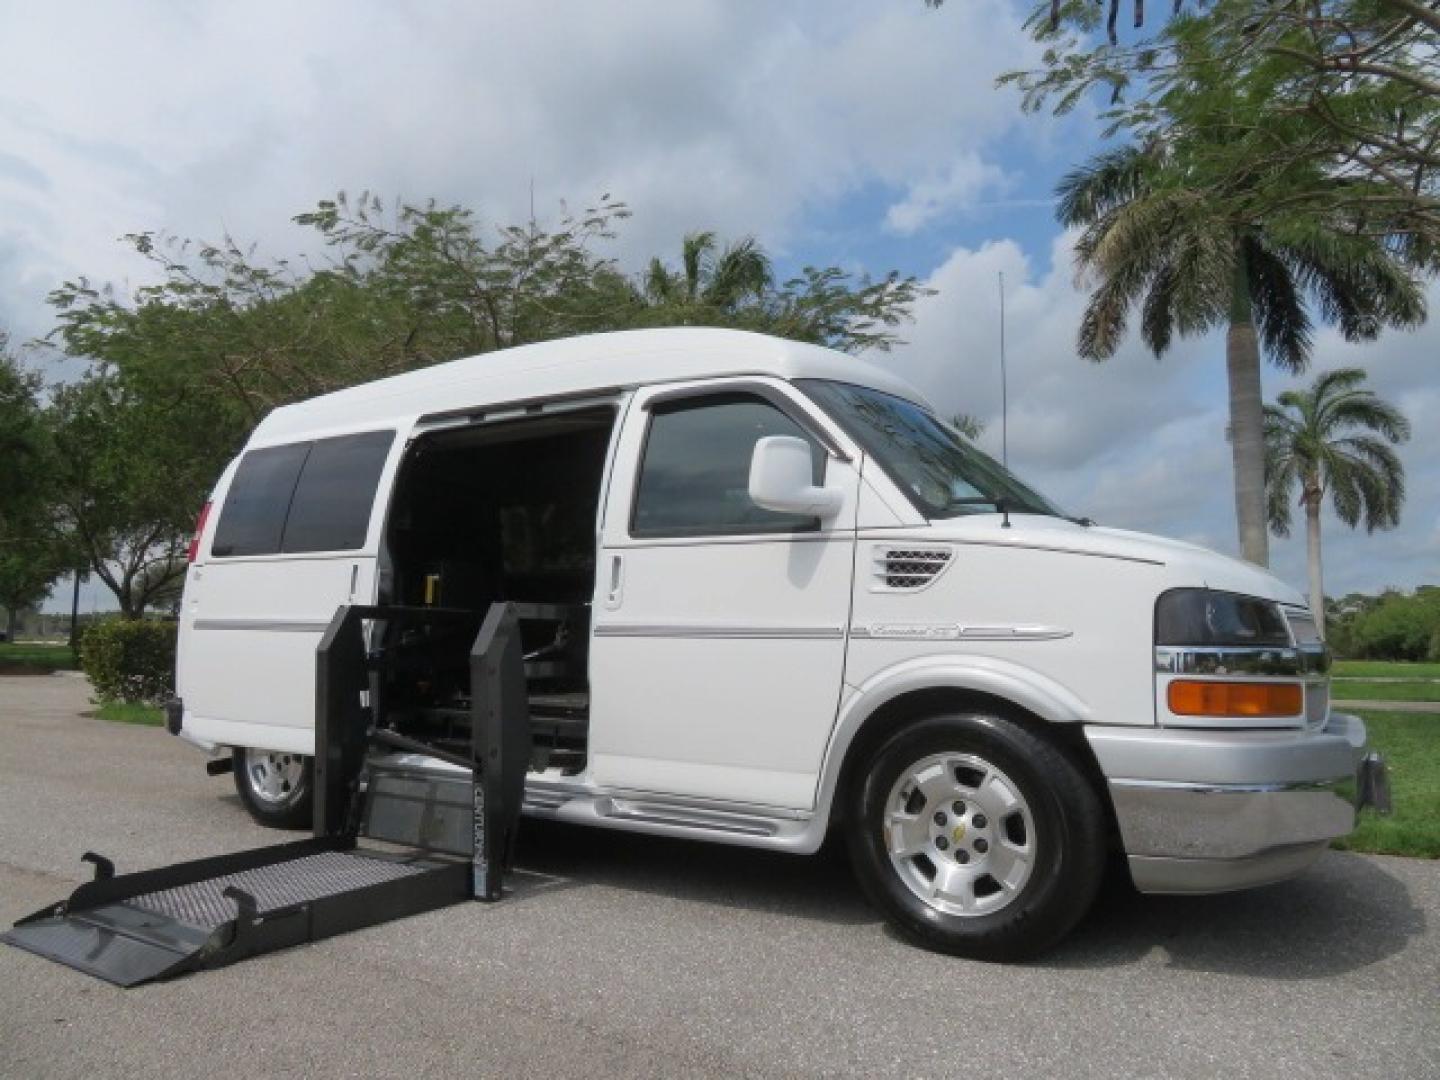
(781, 479)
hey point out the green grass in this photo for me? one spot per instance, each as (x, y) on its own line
(120, 713)
(1359, 690)
(35, 656)
(1386, 669)
(1411, 745)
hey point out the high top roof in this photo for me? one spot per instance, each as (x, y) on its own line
(570, 366)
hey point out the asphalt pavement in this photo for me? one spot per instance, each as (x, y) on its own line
(620, 955)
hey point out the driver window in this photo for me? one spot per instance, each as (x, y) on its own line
(695, 469)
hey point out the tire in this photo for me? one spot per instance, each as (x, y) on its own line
(1011, 873)
(275, 787)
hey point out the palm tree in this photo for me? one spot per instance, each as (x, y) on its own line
(719, 281)
(1319, 440)
(1191, 259)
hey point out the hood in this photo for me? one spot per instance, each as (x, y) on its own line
(1187, 565)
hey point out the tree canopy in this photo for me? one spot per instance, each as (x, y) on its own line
(182, 368)
(32, 551)
(1353, 92)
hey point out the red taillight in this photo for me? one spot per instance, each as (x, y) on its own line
(194, 548)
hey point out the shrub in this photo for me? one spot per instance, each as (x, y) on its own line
(130, 660)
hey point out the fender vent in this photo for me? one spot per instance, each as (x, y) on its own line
(907, 569)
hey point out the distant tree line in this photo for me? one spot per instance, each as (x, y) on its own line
(1393, 625)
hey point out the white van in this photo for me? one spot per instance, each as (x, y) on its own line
(801, 604)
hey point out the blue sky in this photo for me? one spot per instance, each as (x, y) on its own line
(848, 132)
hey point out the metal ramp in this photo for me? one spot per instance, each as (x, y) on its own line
(450, 834)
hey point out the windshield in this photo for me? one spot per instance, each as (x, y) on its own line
(937, 467)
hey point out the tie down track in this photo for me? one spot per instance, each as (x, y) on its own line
(447, 835)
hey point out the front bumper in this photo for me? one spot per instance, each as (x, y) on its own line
(1211, 811)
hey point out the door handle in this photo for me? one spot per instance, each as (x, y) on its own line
(615, 586)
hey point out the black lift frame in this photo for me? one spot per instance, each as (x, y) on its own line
(153, 924)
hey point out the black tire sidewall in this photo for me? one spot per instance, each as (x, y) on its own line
(1063, 879)
(294, 813)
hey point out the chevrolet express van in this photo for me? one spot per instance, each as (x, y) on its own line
(785, 601)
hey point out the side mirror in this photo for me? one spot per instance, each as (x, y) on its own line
(781, 469)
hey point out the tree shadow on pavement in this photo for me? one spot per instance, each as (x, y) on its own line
(1344, 913)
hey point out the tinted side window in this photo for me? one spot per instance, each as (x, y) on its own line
(252, 520)
(331, 508)
(695, 471)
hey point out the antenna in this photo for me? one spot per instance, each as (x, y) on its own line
(1004, 389)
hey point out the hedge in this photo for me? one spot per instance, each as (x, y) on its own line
(130, 660)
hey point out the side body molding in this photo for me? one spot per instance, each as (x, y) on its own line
(1005, 679)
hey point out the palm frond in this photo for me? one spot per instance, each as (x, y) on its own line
(1279, 309)
(1107, 182)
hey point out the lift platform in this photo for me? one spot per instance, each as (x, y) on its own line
(402, 825)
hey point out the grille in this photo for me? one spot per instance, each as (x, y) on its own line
(909, 568)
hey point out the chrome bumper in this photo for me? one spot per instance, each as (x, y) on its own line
(1211, 811)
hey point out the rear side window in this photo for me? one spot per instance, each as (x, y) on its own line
(253, 518)
(695, 472)
(331, 508)
(312, 496)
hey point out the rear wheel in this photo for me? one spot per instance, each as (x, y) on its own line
(275, 786)
(977, 837)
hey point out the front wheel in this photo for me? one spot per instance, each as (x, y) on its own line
(275, 786)
(975, 836)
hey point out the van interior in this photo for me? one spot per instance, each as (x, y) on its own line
(491, 512)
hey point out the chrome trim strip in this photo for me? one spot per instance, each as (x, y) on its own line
(1225, 660)
(560, 790)
(681, 630)
(1200, 788)
(955, 632)
(283, 626)
(668, 814)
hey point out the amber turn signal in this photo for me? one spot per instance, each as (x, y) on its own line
(1189, 697)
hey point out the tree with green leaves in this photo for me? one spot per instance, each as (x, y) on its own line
(1333, 439)
(21, 434)
(1161, 234)
(183, 368)
(735, 286)
(1359, 78)
(127, 474)
(407, 285)
(32, 553)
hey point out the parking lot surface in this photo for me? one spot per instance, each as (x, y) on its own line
(619, 955)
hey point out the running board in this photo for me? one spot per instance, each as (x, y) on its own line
(156, 924)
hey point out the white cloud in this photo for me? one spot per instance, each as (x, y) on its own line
(936, 197)
(735, 116)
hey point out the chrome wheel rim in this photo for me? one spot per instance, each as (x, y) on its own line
(274, 777)
(960, 834)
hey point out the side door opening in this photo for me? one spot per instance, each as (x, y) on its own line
(504, 511)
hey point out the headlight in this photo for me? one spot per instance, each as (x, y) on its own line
(1206, 617)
